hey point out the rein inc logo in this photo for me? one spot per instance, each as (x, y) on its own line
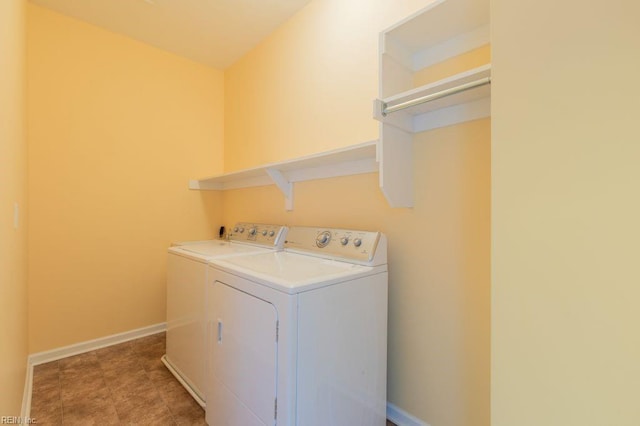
(16, 420)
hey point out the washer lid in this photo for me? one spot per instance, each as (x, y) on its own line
(292, 272)
(205, 250)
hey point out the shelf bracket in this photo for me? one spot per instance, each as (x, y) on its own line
(283, 185)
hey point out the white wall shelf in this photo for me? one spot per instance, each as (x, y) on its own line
(443, 30)
(352, 160)
(444, 110)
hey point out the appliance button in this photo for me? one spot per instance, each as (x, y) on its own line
(344, 241)
(357, 242)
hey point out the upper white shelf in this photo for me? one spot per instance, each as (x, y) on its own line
(355, 159)
(443, 29)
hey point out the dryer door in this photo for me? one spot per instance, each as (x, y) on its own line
(242, 354)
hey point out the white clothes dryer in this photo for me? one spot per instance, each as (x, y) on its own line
(186, 283)
(299, 337)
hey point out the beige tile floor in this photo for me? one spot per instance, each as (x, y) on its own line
(121, 384)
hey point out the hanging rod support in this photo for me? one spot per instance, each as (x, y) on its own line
(386, 109)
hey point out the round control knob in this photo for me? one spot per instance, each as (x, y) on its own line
(344, 241)
(357, 242)
(253, 231)
(235, 229)
(264, 233)
(241, 230)
(323, 239)
(272, 233)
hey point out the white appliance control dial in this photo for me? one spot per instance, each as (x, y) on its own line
(323, 239)
(357, 242)
(235, 229)
(271, 233)
(252, 231)
(264, 233)
(241, 230)
(344, 241)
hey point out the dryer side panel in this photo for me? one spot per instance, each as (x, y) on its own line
(342, 354)
(186, 281)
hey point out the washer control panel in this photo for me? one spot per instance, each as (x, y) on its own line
(342, 244)
(258, 233)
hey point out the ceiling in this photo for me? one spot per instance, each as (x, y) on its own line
(214, 32)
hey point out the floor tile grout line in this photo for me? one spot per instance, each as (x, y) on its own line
(61, 407)
(161, 397)
(155, 388)
(104, 380)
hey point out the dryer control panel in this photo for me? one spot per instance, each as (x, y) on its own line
(361, 247)
(258, 233)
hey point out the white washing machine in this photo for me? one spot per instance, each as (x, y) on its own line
(186, 283)
(299, 337)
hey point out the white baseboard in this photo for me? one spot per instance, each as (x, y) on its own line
(26, 395)
(91, 345)
(400, 417)
(79, 348)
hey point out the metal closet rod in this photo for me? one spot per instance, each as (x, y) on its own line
(432, 97)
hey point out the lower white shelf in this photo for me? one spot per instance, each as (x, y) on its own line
(352, 160)
(462, 105)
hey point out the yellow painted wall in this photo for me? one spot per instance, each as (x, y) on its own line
(116, 130)
(464, 62)
(13, 187)
(565, 185)
(309, 87)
